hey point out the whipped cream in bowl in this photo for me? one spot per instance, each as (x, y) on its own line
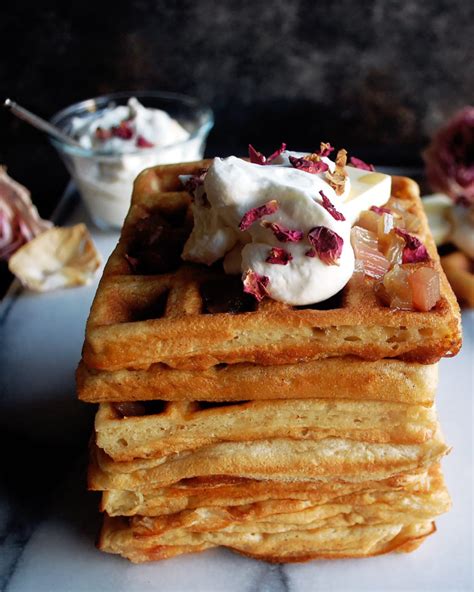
(284, 223)
(120, 135)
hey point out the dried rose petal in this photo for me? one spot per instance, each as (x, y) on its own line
(414, 250)
(337, 179)
(450, 157)
(360, 164)
(284, 235)
(381, 210)
(309, 166)
(279, 256)
(103, 134)
(258, 158)
(327, 244)
(142, 142)
(325, 149)
(256, 213)
(124, 131)
(255, 284)
(328, 205)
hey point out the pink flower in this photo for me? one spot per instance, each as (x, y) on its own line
(449, 158)
(19, 219)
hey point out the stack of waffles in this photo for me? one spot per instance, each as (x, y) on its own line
(285, 433)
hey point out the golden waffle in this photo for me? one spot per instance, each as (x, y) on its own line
(412, 504)
(291, 546)
(331, 378)
(223, 491)
(459, 270)
(354, 525)
(193, 317)
(280, 459)
(158, 428)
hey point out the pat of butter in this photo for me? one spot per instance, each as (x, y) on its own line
(367, 189)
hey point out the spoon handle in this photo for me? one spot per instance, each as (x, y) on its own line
(39, 123)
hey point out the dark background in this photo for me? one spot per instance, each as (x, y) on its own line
(375, 76)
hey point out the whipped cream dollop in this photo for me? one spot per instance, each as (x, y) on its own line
(128, 128)
(450, 222)
(232, 187)
(125, 139)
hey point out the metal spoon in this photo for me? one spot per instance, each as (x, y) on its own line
(39, 123)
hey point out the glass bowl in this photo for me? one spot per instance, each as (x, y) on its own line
(105, 180)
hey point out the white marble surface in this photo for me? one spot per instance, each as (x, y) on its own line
(40, 342)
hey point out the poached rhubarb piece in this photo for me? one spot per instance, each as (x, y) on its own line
(411, 288)
(424, 283)
(365, 245)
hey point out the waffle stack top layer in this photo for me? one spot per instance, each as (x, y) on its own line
(154, 312)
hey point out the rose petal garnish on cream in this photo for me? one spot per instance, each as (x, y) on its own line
(255, 284)
(257, 213)
(279, 256)
(327, 244)
(124, 130)
(414, 250)
(142, 142)
(284, 235)
(309, 166)
(360, 164)
(328, 206)
(258, 158)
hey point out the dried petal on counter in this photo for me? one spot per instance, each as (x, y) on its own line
(57, 258)
(19, 219)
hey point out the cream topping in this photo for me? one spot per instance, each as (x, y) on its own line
(234, 186)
